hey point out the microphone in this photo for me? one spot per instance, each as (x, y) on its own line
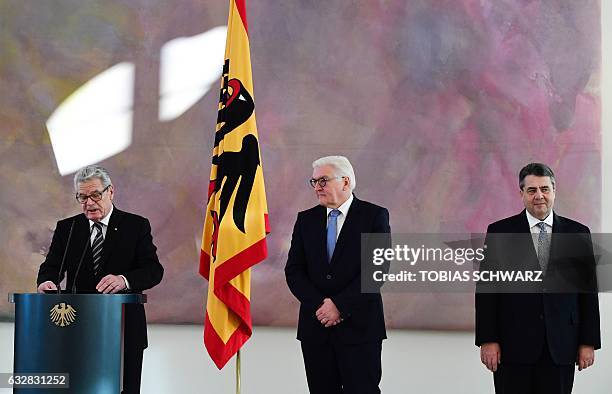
(59, 274)
(76, 274)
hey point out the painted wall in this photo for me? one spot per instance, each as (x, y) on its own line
(438, 105)
(414, 361)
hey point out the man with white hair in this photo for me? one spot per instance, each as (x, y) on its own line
(120, 255)
(340, 328)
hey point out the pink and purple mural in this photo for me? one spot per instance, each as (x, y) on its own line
(438, 104)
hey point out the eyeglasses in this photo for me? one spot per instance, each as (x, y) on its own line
(322, 181)
(95, 196)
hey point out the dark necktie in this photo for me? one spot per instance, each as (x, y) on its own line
(96, 248)
(543, 246)
(332, 231)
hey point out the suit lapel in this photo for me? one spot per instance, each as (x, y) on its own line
(558, 224)
(559, 227)
(79, 246)
(320, 231)
(315, 234)
(80, 239)
(112, 236)
(524, 228)
(524, 223)
(81, 232)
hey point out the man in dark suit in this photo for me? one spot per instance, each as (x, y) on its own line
(119, 255)
(340, 328)
(531, 340)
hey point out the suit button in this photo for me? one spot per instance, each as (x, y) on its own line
(328, 276)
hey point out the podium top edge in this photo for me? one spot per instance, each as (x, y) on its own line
(133, 298)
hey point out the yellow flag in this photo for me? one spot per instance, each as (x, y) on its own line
(236, 223)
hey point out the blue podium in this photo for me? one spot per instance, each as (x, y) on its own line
(75, 334)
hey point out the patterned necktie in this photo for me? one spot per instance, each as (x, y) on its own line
(96, 248)
(332, 230)
(543, 246)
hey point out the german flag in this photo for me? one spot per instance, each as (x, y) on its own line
(236, 223)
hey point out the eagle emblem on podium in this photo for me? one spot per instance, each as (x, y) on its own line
(62, 314)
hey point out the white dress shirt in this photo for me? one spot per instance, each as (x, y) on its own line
(344, 208)
(535, 230)
(104, 223)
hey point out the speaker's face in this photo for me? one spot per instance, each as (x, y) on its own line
(98, 200)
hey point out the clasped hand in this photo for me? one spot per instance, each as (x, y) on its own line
(328, 314)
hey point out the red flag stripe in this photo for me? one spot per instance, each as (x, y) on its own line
(234, 266)
(204, 264)
(221, 352)
(241, 5)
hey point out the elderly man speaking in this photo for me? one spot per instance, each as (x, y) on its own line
(120, 255)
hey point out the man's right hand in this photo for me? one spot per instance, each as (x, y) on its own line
(48, 285)
(328, 314)
(490, 355)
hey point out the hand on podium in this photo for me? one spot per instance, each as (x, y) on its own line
(46, 286)
(111, 284)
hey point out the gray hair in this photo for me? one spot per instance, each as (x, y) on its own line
(536, 169)
(342, 166)
(92, 172)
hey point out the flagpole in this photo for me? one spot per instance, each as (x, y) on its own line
(238, 372)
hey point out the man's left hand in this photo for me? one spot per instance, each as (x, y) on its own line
(111, 284)
(586, 357)
(328, 314)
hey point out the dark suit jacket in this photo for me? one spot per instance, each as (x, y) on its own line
(128, 250)
(311, 278)
(560, 314)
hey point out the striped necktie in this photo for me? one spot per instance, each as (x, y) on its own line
(96, 248)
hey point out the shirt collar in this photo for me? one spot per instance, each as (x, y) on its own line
(533, 221)
(105, 219)
(344, 207)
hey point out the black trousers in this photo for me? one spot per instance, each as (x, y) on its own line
(132, 370)
(543, 377)
(333, 368)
